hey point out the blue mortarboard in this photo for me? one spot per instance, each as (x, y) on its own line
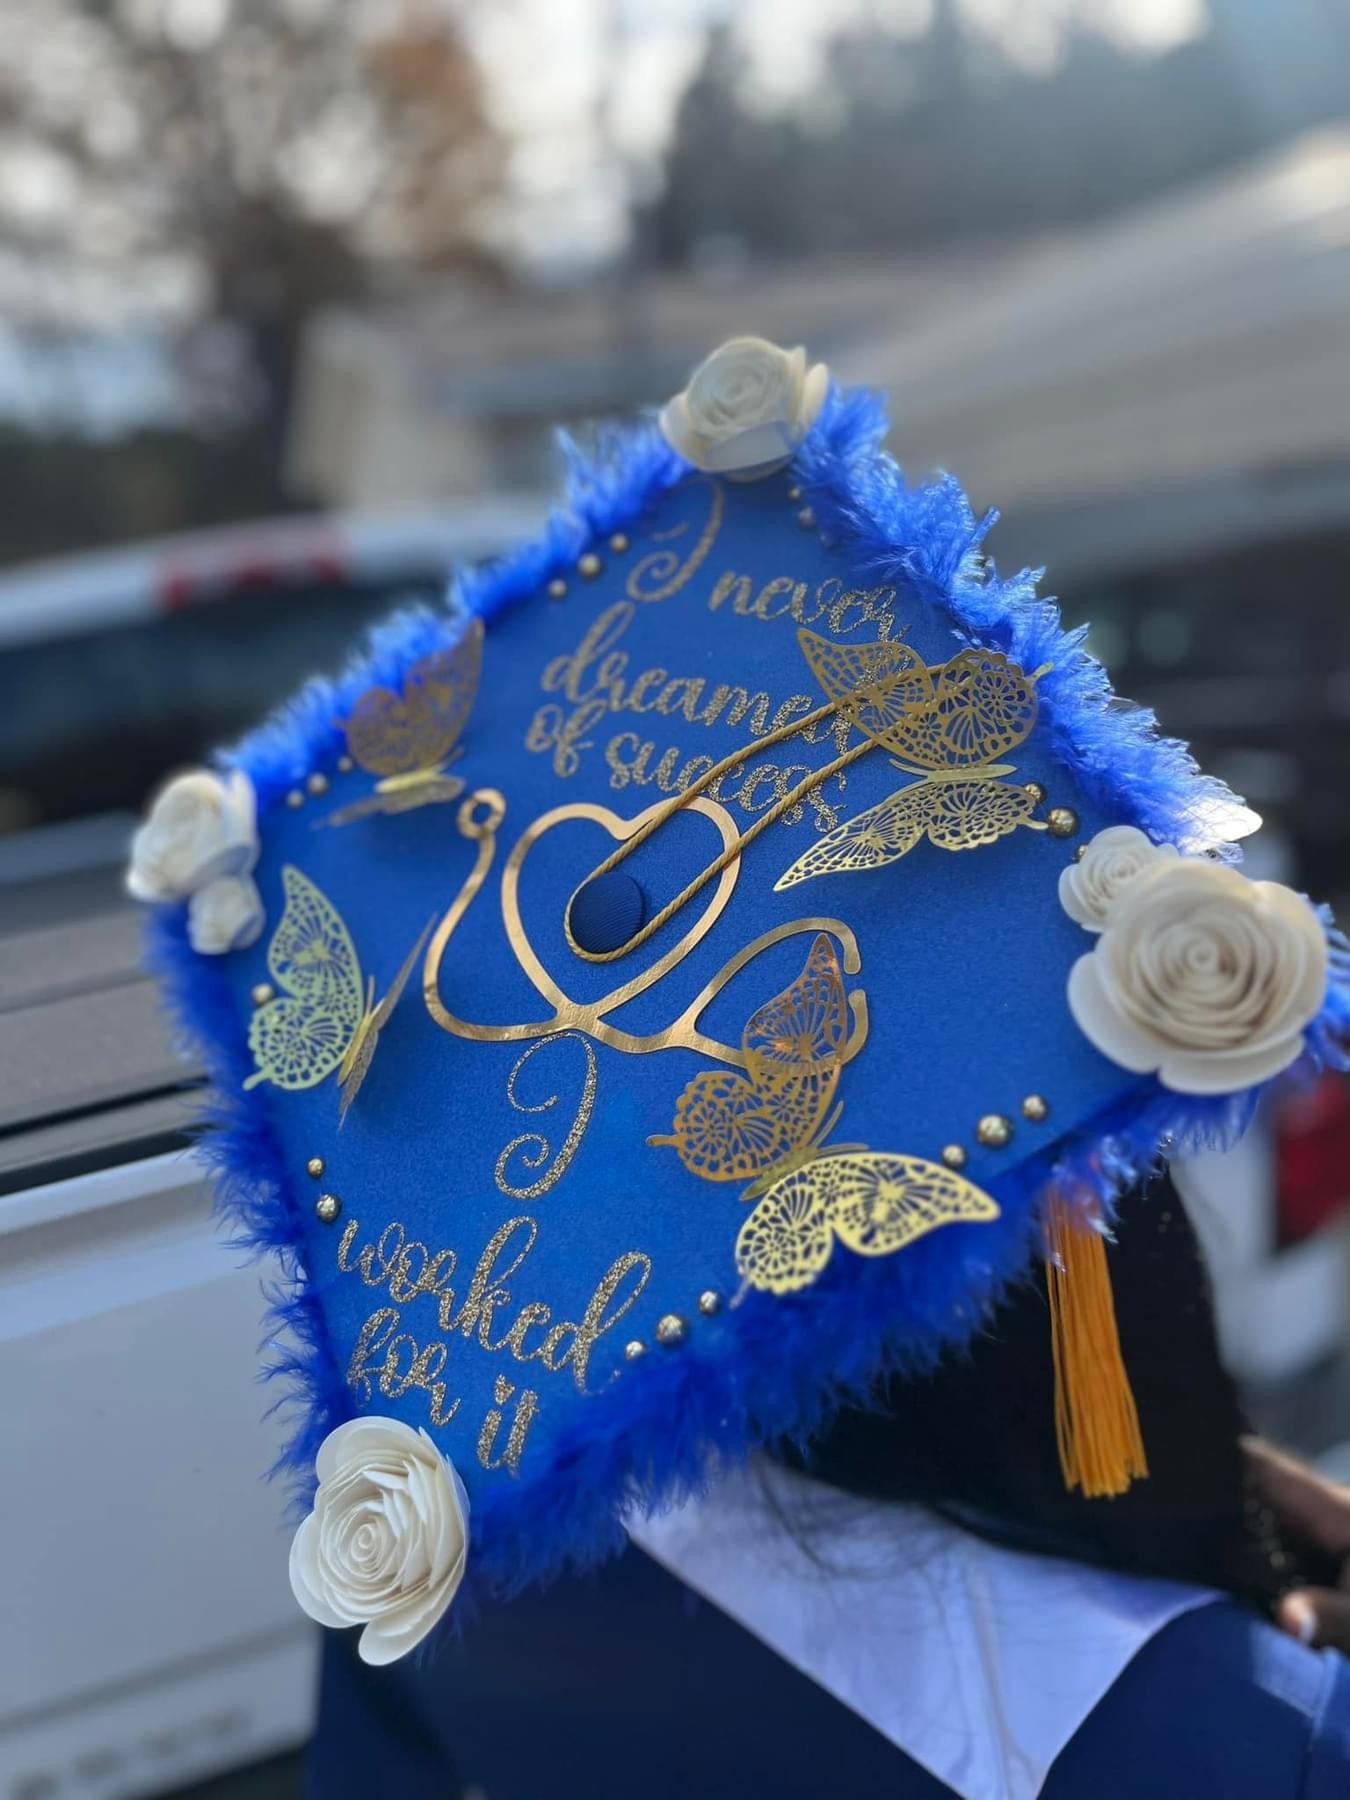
(694, 974)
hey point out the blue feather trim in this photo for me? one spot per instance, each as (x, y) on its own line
(237, 1146)
(904, 1312)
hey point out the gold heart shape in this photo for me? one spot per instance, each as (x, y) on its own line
(589, 1017)
(479, 819)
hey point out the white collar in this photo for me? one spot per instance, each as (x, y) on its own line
(980, 1663)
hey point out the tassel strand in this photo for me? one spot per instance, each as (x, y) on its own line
(1101, 1449)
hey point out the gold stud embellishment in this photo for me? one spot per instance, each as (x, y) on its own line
(794, 493)
(327, 1207)
(994, 1131)
(671, 1330)
(1062, 820)
(557, 588)
(954, 1156)
(619, 542)
(634, 1349)
(806, 518)
(262, 992)
(295, 799)
(1080, 853)
(1035, 789)
(345, 764)
(317, 783)
(1036, 1107)
(709, 1302)
(315, 1167)
(589, 565)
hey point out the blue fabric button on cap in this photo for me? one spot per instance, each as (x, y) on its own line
(607, 911)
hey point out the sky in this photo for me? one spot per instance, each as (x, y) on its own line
(567, 75)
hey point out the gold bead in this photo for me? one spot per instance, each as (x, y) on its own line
(619, 542)
(994, 1131)
(1036, 1107)
(327, 1207)
(954, 1156)
(589, 565)
(710, 1302)
(671, 1330)
(1080, 853)
(1036, 791)
(295, 798)
(1062, 820)
(314, 1167)
(635, 1349)
(345, 765)
(317, 783)
(806, 518)
(557, 588)
(794, 493)
(262, 992)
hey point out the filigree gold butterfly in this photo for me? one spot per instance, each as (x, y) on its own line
(947, 725)
(408, 738)
(767, 1127)
(326, 1018)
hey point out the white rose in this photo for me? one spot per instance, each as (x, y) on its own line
(1109, 863)
(199, 828)
(746, 408)
(225, 915)
(1202, 975)
(386, 1543)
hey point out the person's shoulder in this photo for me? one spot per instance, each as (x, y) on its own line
(1224, 1704)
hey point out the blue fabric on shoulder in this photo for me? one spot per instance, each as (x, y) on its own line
(1219, 1706)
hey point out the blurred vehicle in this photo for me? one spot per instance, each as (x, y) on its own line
(118, 667)
(122, 1318)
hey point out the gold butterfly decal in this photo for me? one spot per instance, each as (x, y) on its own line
(947, 725)
(326, 1018)
(408, 738)
(768, 1127)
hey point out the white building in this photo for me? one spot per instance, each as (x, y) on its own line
(1177, 377)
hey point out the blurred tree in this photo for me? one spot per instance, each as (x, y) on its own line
(911, 141)
(225, 168)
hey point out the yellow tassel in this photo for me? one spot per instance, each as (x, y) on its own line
(1101, 1450)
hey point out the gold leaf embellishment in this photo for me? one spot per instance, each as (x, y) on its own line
(326, 1019)
(947, 725)
(406, 738)
(767, 1127)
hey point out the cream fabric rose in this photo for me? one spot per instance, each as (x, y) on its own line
(199, 828)
(225, 915)
(746, 409)
(1202, 975)
(386, 1543)
(1110, 861)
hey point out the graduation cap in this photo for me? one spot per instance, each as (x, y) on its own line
(690, 976)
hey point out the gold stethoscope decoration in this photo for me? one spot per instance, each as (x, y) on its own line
(945, 724)
(479, 819)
